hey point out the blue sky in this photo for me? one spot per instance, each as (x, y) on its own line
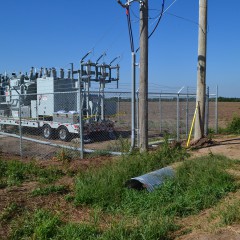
(53, 33)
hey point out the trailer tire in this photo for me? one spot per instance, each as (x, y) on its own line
(64, 134)
(47, 131)
(112, 135)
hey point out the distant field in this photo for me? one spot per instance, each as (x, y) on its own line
(166, 112)
(226, 111)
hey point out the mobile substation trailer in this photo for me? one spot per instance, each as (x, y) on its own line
(51, 102)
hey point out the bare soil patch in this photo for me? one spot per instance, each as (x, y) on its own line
(228, 146)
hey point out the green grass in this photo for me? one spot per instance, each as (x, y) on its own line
(98, 153)
(40, 225)
(120, 145)
(120, 213)
(77, 231)
(9, 212)
(65, 155)
(199, 184)
(105, 186)
(44, 225)
(232, 127)
(15, 172)
(230, 214)
(43, 191)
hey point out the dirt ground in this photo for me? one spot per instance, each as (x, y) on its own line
(202, 229)
(224, 145)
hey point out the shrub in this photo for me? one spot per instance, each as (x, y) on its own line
(234, 126)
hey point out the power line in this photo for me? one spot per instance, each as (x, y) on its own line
(166, 10)
(159, 19)
(187, 20)
(113, 25)
(130, 28)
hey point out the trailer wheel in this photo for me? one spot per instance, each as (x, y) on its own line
(112, 135)
(64, 134)
(47, 131)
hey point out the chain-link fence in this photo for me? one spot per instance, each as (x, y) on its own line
(41, 125)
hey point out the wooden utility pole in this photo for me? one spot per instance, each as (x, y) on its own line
(201, 70)
(143, 87)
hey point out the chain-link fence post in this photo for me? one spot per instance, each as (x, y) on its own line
(20, 122)
(118, 107)
(206, 113)
(81, 140)
(137, 116)
(160, 113)
(102, 86)
(178, 118)
(187, 113)
(216, 111)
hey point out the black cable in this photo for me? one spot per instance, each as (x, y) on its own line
(119, 2)
(159, 19)
(129, 24)
(188, 20)
(138, 18)
(135, 15)
(130, 28)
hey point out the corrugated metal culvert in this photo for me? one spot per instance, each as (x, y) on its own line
(151, 180)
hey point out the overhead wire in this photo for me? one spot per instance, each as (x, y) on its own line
(130, 28)
(154, 29)
(105, 33)
(100, 39)
(165, 10)
(159, 19)
(187, 20)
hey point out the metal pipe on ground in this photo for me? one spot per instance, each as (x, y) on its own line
(152, 180)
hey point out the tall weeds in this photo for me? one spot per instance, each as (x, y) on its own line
(105, 186)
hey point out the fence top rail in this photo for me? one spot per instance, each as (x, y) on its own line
(118, 94)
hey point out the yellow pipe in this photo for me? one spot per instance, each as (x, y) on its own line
(193, 121)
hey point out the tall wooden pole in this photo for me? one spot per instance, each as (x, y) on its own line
(201, 70)
(143, 87)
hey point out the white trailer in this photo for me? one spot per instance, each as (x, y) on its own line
(60, 130)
